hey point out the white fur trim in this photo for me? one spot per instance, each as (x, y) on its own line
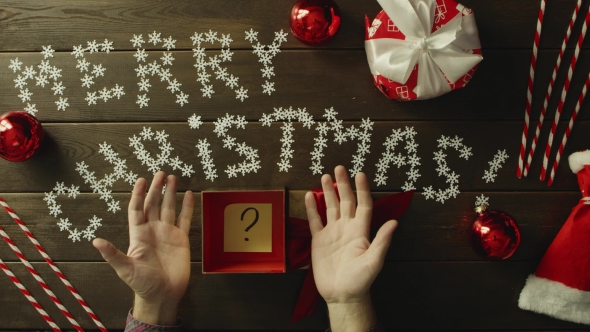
(578, 160)
(555, 299)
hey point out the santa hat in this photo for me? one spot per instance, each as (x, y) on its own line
(560, 287)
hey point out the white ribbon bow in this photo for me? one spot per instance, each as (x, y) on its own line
(439, 54)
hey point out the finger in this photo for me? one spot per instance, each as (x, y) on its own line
(168, 213)
(347, 200)
(378, 248)
(332, 204)
(364, 209)
(117, 260)
(135, 210)
(150, 208)
(315, 221)
(186, 213)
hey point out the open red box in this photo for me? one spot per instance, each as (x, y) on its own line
(243, 231)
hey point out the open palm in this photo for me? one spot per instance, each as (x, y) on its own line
(345, 262)
(157, 264)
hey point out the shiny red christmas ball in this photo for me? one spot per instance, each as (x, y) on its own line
(315, 22)
(495, 235)
(21, 135)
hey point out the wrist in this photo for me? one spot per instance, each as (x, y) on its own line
(155, 312)
(352, 315)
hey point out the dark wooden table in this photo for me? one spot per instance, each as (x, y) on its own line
(432, 280)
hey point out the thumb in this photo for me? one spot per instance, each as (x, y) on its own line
(118, 260)
(378, 248)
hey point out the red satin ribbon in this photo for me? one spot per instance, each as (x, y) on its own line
(299, 242)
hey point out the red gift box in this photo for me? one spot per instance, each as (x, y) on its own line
(421, 49)
(243, 231)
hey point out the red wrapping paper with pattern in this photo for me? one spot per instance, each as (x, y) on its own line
(421, 49)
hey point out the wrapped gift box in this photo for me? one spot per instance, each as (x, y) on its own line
(243, 231)
(421, 49)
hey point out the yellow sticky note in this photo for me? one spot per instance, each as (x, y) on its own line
(247, 228)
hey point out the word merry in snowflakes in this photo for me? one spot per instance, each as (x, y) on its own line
(43, 73)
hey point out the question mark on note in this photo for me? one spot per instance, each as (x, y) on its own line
(253, 223)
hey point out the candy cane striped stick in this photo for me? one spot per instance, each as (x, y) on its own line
(563, 95)
(569, 130)
(40, 280)
(49, 261)
(550, 89)
(529, 95)
(29, 297)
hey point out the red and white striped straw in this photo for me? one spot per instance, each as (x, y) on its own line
(550, 89)
(29, 297)
(40, 280)
(527, 114)
(563, 95)
(49, 261)
(569, 130)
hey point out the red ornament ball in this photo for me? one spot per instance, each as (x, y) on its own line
(315, 22)
(495, 235)
(20, 136)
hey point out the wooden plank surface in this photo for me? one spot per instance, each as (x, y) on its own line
(68, 144)
(496, 92)
(501, 23)
(431, 280)
(427, 232)
(265, 301)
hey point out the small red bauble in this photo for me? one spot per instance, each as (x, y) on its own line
(495, 234)
(315, 22)
(20, 136)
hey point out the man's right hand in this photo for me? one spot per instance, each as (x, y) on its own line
(345, 263)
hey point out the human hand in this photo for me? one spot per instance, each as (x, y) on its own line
(157, 264)
(345, 263)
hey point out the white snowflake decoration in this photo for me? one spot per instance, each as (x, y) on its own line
(495, 165)
(42, 79)
(98, 70)
(251, 162)
(195, 122)
(266, 54)
(287, 115)
(389, 158)
(31, 108)
(443, 169)
(206, 160)
(15, 65)
(121, 171)
(362, 134)
(481, 200)
(62, 103)
(214, 63)
(163, 158)
(64, 224)
(156, 68)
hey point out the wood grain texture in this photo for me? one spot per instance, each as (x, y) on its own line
(427, 232)
(484, 294)
(303, 79)
(431, 279)
(68, 144)
(27, 25)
